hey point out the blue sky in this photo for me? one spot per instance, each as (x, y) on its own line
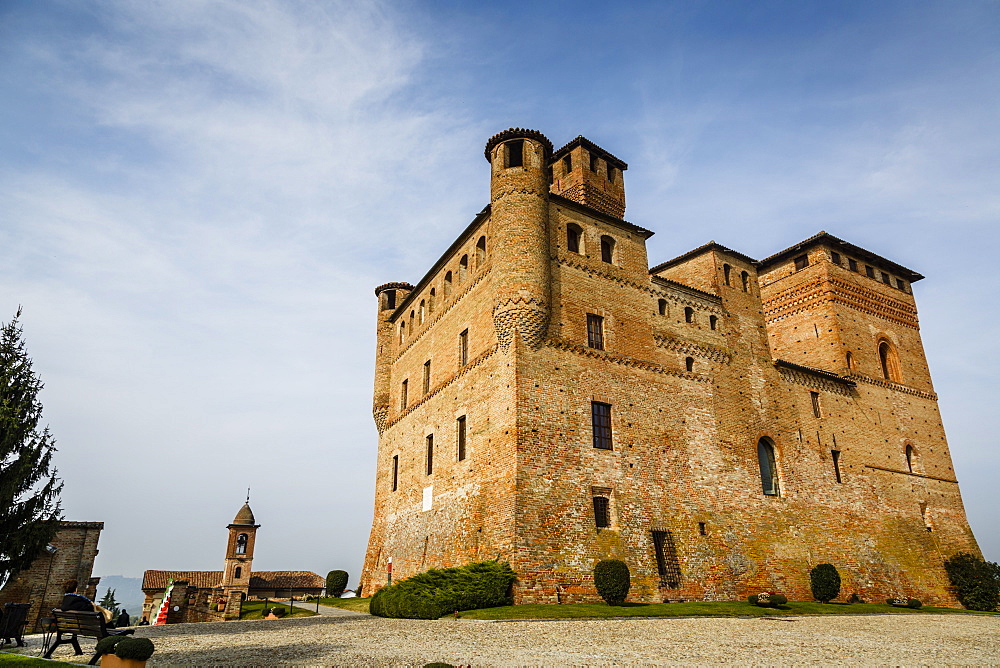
(197, 198)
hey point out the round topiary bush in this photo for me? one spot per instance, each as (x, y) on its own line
(976, 581)
(137, 649)
(612, 579)
(336, 583)
(824, 580)
(107, 644)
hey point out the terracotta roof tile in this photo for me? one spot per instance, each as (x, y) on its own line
(200, 579)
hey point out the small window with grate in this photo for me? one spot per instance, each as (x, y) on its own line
(667, 564)
(602, 512)
(595, 331)
(600, 416)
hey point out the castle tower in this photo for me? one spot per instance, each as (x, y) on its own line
(239, 552)
(584, 172)
(390, 295)
(519, 211)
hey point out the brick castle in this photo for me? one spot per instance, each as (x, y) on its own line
(722, 424)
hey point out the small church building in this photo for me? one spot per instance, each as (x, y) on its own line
(214, 596)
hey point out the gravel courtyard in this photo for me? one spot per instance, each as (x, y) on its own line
(361, 640)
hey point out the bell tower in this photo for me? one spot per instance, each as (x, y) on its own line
(239, 552)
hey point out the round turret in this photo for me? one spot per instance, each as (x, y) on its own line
(390, 296)
(519, 220)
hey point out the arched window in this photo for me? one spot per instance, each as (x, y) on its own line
(241, 543)
(480, 252)
(888, 361)
(412, 317)
(689, 363)
(726, 270)
(430, 300)
(402, 332)
(745, 277)
(238, 573)
(768, 467)
(607, 249)
(850, 361)
(911, 458)
(662, 306)
(447, 284)
(713, 321)
(423, 311)
(574, 233)
(463, 269)
(688, 314)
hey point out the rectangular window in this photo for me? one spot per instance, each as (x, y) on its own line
(568, 164)
(515, 153)
(602, 514)
(463, 348)
(852, 264)
(593, 162)
(835, 257)
(402, 395)
(667, 565)
(427, 376)
(461, 438)
(869, 271)
(801, 262)
(595, 331)
(815, 404)
(886, 279)
(395, 472)
(836, 463)
(430, 454)
(600, 416)
(900, 284)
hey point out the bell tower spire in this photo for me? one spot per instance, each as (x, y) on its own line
(239, 551)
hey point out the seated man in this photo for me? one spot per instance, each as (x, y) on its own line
(73, 601)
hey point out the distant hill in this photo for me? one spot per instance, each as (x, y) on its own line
(128, 592)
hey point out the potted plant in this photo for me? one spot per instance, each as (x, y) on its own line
(124, 651)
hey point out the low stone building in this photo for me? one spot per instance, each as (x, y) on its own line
(207, 596)
(70, 556)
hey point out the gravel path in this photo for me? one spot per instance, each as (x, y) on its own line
(362, 640)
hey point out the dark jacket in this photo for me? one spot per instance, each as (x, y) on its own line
(76, 602)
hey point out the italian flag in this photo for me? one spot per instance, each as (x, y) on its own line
(161, 616)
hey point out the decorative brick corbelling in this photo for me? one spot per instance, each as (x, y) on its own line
(505, 191)
(806, 296)
(681, 346)
(814, 381)
(381, 415)
(529, 317)
(625, 360)
(889, 385)
(451, 303)
(434, 391)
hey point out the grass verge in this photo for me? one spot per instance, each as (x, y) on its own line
(695, 609)
(29, 661)
(255, 610)
(355, 604)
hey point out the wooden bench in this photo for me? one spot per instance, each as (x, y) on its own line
(75, 623)
(12, 621)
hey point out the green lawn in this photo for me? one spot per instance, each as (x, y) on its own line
(255, 610)
(7, 659)
(355, 604)
(694, 609)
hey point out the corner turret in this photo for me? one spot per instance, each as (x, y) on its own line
(584, 172)
(390, 296)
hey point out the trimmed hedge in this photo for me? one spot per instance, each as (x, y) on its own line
(137, 649)
(976, 581)
(767, 600)
(336, 583)
(824, 580)
(612, 579)
(437, 592)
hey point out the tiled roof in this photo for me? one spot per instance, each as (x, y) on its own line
(258, 579)
(200, 579)
(285, 580)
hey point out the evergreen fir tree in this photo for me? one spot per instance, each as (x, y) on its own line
(29, 488)
(109, 603)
